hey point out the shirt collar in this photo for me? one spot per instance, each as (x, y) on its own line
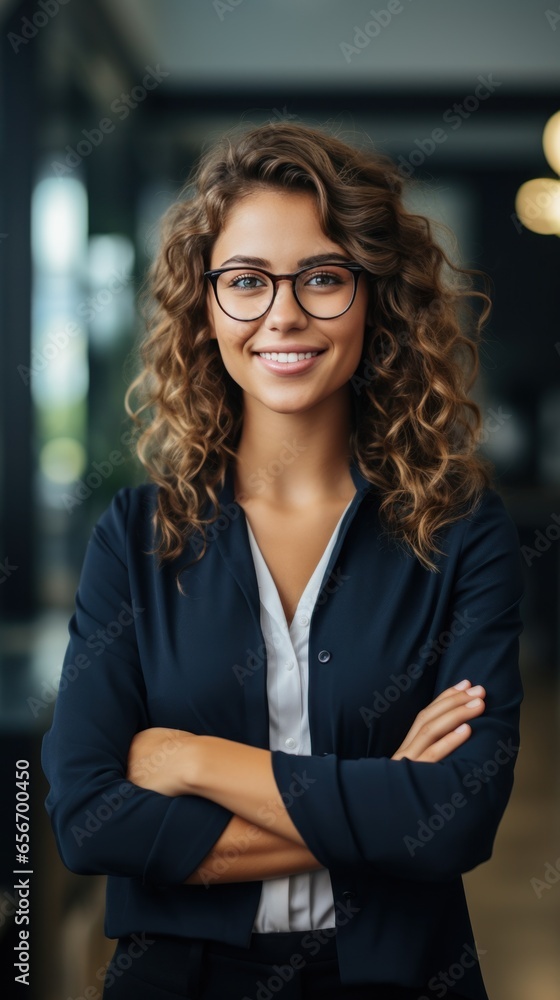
(362, 484)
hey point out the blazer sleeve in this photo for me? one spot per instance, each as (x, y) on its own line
(433, 821)
(103, 823)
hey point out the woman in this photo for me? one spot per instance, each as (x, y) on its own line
(294, 721)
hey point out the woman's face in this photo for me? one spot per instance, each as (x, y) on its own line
(282, 229)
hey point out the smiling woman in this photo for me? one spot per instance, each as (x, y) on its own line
(316, 517)
(316, 310)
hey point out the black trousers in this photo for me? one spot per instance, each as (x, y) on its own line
(293, 965)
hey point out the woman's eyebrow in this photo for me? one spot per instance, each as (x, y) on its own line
(320, 258)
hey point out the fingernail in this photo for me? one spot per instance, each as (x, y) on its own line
(461, 728)
(476, 690)
(462, 685)
(474, 703)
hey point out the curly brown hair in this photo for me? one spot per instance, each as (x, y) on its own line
(414, 431)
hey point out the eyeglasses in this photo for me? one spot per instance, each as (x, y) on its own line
(324, 291)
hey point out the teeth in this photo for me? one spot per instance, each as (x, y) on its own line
(288, 358)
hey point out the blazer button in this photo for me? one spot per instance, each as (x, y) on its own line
(349, 894)
(324, 656)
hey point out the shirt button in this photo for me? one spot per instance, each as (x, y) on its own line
(289, 664)
(324, 656)
(303, 620)
(290, 742)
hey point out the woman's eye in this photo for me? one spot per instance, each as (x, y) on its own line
(246, 281)
(322, 278)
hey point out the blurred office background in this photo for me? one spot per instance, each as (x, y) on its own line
(104, 107)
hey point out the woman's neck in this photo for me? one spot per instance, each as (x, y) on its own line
(292, 460)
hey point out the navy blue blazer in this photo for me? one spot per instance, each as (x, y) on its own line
(386, 637)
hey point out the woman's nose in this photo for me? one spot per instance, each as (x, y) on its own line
(285, 306)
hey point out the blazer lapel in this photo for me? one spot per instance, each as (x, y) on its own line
(234, 546)
(235, 549)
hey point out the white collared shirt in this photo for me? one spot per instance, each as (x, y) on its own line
(304, 901)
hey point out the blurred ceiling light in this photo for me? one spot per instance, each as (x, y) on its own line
(551, 141)
(538, 205)
(537, 202)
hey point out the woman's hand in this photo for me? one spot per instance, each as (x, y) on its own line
(443, 726)
(158, 759)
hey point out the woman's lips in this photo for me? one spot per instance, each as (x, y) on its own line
(289, 367)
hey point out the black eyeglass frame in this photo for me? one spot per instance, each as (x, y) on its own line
(355, 269)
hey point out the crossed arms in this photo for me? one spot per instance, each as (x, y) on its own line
(240, 778)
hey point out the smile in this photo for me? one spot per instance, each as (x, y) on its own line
(287, 364)
(288, 358)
